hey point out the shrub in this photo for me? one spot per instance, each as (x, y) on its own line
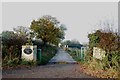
(12, 44)
(112, 60)
(75, 53)
(110, 64)
(11, 49)
(29, 63)
(106, 40)
(48, 52)
(10, 63)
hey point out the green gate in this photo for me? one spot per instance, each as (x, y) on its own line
(39, 56)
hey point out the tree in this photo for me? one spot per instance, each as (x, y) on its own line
(67, 42)
(20, 30)
(48, 29)
(72, 43)
(94, 39)
(12, 41)
(22, 33)
(8, 39)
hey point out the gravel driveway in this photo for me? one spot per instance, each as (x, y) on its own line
(47, 71)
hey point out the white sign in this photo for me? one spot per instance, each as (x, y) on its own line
(29, 52)
(98, 53)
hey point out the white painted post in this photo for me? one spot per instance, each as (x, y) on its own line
(81, 53)
(77, 52)
(67, 46)
(83, 49)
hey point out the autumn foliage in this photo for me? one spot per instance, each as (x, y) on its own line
(110, 64)
(105, 40)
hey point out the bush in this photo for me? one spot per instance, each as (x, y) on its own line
(10, 59)
(11, 47)
(109, 66)
(10, 63)
(29, 63)
(97, 68)
(48, 52)
(75, 53)
(112, 60)
(106, 40)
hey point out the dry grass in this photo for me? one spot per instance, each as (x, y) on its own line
(90, 69)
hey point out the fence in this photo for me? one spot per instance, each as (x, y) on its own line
(78, 54)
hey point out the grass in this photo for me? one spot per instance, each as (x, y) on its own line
(45, 58)
(47, 53)
(94, 70)
(75, 53)
(97, 69)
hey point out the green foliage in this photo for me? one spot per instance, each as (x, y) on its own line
(112, 60)
(20, 30)
(72, 44)
(108, 41)
(75, 53)
(8, 38)
(48, 52)
(29, 63)
(13, 58)
(66, 42)
(12, 43)
(8, 62)
(101, 69)
(11, 47)
(14, 53)
(105, 40)
(94, 39)
(48, 30)
(89, 55)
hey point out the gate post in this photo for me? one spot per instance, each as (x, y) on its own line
(82, 54)
(39, 55)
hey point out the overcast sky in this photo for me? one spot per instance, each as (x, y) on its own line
(80, 18)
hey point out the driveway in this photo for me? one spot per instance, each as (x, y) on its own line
(62, 56)
(47, 71)
(70, 70)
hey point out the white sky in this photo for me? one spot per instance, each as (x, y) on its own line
(80, 18)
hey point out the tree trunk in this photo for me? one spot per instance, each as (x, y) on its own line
(19, 52)
(44, 43)
(10, 52)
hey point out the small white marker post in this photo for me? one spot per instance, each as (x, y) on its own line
(83, 49)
